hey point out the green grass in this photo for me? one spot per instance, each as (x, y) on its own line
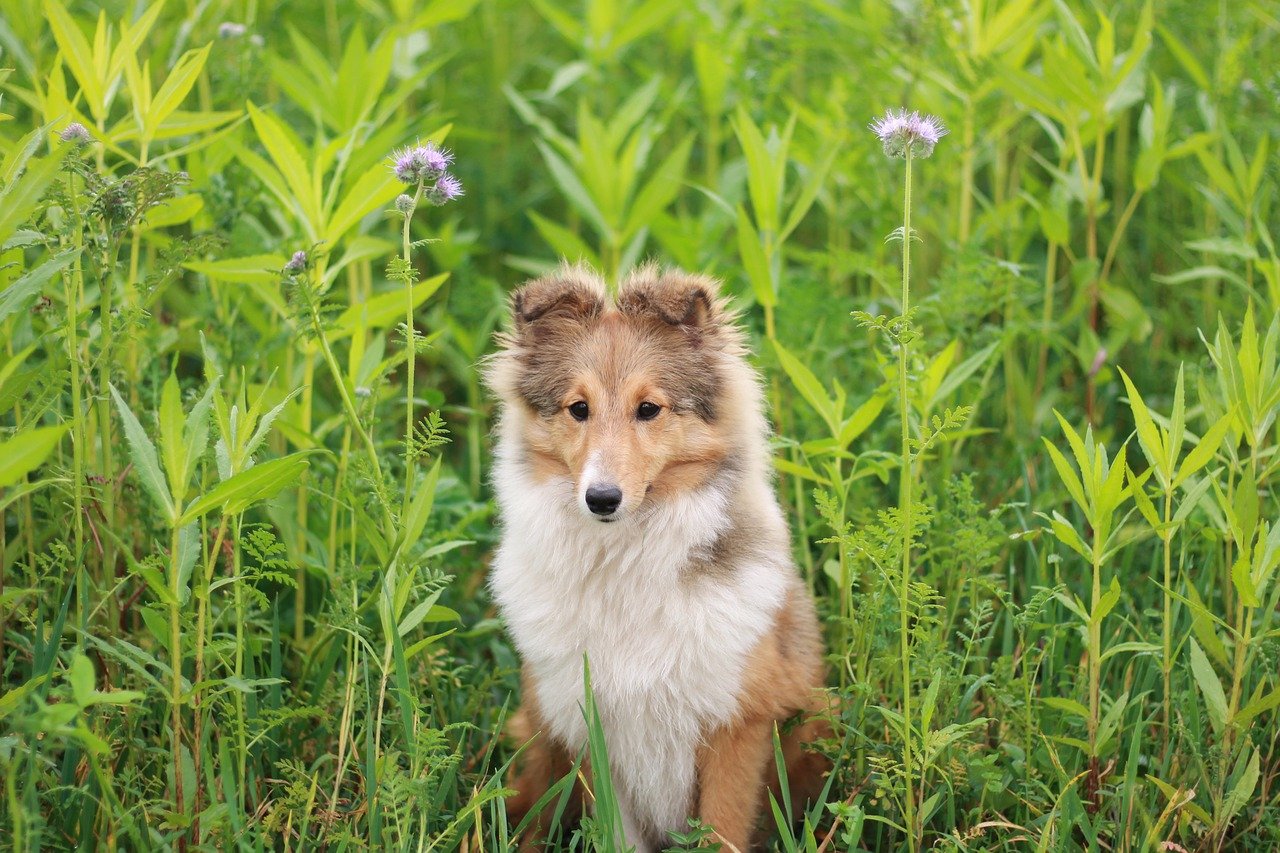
(243, 548)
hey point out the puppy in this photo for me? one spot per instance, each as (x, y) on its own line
(640, 528)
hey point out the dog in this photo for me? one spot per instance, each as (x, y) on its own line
(640, 529)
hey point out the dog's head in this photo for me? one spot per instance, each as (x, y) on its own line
(625, 398)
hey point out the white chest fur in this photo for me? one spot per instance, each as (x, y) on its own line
(667, 647)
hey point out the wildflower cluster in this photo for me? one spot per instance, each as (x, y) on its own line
(902, 133)
(427, 167)
(75, 133)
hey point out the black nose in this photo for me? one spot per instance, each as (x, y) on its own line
(603, 500)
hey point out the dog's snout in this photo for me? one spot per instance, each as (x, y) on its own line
(603, 500)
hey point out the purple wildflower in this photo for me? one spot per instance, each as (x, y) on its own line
(75, 133)
(902, 133)
(420, 163)
(231, 30)
(297, 263)
(445, 189)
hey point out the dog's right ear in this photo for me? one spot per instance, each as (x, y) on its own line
(568, 294)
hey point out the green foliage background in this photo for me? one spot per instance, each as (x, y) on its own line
(242, 597)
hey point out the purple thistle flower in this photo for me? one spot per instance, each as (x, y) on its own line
(297, 263)
(75, 133)
(231, 30)
(903, 133)
(420, 163)
(446, 189)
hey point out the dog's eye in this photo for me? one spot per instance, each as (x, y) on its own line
(648, 411)
(579, 411)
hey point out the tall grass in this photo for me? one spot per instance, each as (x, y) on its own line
(242, 597)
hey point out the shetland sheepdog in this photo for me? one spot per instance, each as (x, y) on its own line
(641, 529)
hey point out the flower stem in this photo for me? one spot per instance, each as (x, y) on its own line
(904, 503)
(175, 662)
(1166, 664)
(411, 351)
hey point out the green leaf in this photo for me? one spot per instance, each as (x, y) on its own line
(1205, 450)
(382, 310)
(574, 190)
(1070, 706)
(661, 188)
(172, 451)
(81, 678)
(1132, 647)
(289, 161)
(1259, 705)
(564, 242)
(145, 461)
(1241, 791)
(175, 89)
(75, 49)
(1210, 687)
(19, 197)
(261, 482)
(754, 261)
(376, 188)
(809, 192)
(19, 295)
(252, 268)
(1067, 535)
(26, 451)
(1107, 602)
(1137, 488)
(1150, 437)
(858, 422)
(1202, 626)
(1068, 476)
(808, 386)
(419, 509)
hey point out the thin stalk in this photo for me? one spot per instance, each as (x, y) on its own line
(349, 407)
(74, 290)
(104, 411)
(904, 502)
(300, 574)
(175, 662)
(238, 599)
(202, 610)
(348, 710)
(1121, 224)
(411, 350)
(1095, 666)
(1166, 662)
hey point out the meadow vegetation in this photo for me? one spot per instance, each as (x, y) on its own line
(1033, 485)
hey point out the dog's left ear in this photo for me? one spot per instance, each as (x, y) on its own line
(674, 297)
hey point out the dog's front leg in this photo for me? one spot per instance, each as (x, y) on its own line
(731, 779)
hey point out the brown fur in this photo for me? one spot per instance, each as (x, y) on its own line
(668, 339)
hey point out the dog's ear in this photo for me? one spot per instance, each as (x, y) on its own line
(674, 297)
(568, 294)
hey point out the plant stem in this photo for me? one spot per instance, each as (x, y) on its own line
(1166, 663)
(905, 476)
(75, 288)
(175, 662)
(411, 351)
(202, 609)
(104, 413)
(238, 596)
(300, 574)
